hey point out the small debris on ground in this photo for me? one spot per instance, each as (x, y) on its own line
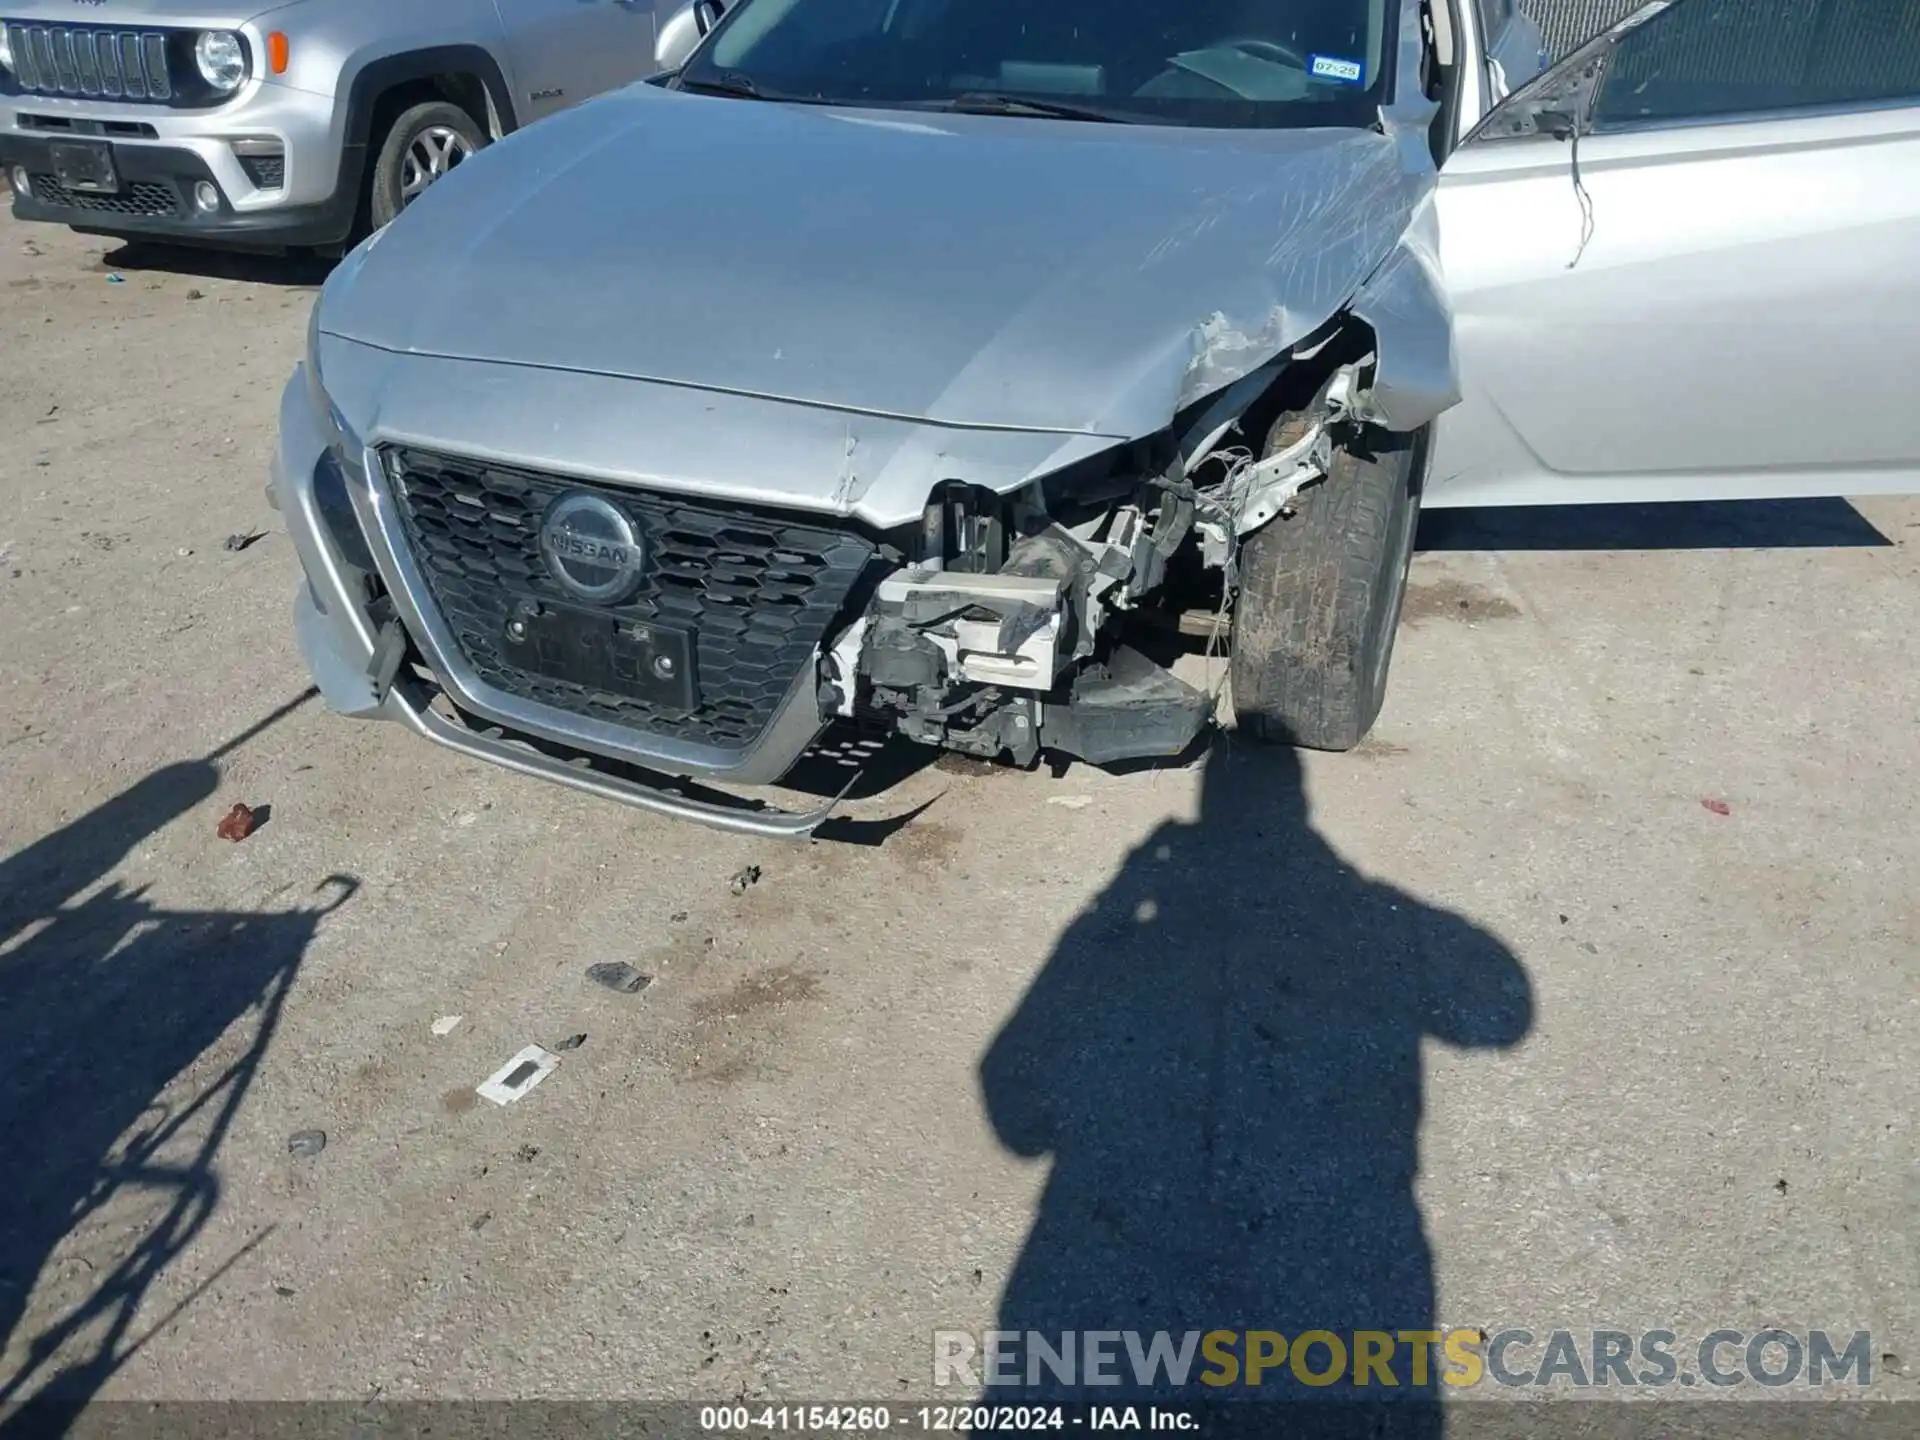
(620, 976)
(27, 247)
(196, 295)
(183, 552)
(1070, 802)
(305, 1144)
(285, 1292)
(480, 1221)
(519, 1075)
(1781, 1186)
(116, 279)
(240, 540)
(572, 1042)
(447, 1024)
(238, 823)
(749, 876)
(1717, 807)
(527, 1154)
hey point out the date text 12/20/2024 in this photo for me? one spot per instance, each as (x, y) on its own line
(941, 1419)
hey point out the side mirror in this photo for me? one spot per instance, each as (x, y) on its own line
(684, 31)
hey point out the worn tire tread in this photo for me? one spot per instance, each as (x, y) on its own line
(1319, 599)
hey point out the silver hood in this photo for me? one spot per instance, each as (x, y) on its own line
(188, 14)
(961, 270)
(837, 309)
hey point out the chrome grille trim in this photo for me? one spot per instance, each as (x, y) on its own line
(91, 63)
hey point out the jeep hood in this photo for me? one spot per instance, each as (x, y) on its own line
(189, 14)
(980, 272)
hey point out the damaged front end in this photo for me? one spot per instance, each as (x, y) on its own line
(991, 515)
(1041, 620)
(997, 642)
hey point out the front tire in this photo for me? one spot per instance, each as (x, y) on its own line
(1320, 595)
(424, 142)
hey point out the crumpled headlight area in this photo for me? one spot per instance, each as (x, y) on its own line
(317, 397)
(339, 464)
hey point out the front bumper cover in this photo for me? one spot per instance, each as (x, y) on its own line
(338, 630)
(174, 170)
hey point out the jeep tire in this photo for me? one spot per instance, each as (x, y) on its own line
(1320, 589)
(424, 141)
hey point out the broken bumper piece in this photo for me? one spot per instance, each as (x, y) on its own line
(364, 679)
(1004, 663)
(1128, 709)
(659, 794)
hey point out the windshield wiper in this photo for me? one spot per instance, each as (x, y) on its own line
(991, 102)
(723, 82)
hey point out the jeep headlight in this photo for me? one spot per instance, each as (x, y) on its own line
(222, 59)
(6, 47)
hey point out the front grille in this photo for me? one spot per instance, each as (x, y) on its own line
(758, 592)
(86, 60)
(141, 198)
(267, 172)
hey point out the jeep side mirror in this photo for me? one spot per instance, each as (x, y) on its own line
(684, 31)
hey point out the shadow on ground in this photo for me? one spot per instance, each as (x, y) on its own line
(106, 1000)
(1728, 525)
(1222, 1060)
(297, 270)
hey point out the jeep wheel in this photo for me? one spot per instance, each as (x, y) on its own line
(423, 143)
(1320, 593)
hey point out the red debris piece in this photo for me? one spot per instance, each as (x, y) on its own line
(1718, 807)
(237, 824)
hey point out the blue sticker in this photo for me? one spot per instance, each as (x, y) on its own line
(1332, 67)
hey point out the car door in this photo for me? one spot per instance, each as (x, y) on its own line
(1711, 292)
(566, 51)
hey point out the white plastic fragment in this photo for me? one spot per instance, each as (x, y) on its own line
(1070, 802)
(447, 1024)
(519, 1075)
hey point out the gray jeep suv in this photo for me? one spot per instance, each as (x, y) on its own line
(289, 125)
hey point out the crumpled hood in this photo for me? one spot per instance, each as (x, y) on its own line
(973, 271)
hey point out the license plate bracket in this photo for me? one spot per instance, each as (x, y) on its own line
(85, 165)
(636, 659)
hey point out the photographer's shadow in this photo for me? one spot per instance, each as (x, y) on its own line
(1222, 1059)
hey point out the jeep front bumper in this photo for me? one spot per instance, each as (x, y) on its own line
(275, 157)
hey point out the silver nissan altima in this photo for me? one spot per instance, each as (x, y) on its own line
(905, 362)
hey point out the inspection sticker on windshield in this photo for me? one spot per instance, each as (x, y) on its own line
(1332, 67)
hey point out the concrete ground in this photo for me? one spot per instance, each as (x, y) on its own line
(1583, 995)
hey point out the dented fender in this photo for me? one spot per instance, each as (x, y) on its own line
(1415, 377)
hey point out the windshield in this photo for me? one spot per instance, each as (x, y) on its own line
(1228, 63)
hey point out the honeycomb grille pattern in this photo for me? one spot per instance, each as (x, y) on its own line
(140, 199)
(266, 172)
(757, 593)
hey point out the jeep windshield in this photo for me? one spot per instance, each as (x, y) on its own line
(1217, 63)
